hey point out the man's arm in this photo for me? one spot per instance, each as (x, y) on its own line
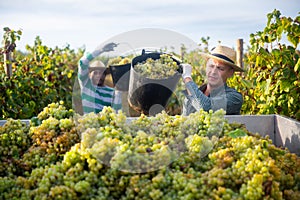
(196, 97)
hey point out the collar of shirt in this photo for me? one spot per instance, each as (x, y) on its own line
(215, 91)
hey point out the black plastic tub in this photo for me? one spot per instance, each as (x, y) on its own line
(120, 76)
(146, 95)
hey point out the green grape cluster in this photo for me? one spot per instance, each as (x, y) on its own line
(55, 135)
(52, 137)
(55, 110)
(107, 117)
(161, 68)
(14, 140)
(119, 61)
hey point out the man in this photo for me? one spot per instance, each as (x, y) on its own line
(91, 76)
(215, 94)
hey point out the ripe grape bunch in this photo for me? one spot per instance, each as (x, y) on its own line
(53, 133)
(160, 68)
(14, 141)
(119, 61)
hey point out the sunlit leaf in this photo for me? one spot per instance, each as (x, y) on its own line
(297, 66)
(237, 133)
(247, 83)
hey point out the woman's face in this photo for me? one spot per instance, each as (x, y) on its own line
(98, 77)
(217, 72)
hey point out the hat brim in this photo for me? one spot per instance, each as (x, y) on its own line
(235, 67)
(106, 69)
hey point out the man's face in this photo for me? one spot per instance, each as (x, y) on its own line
(217, 72)
(98, 76)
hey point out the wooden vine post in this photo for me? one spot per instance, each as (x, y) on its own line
(9, 44)
(239, 53)
(7, 64)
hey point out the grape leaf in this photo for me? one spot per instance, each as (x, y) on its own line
(237, 133)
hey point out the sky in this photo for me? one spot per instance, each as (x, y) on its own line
(88, 23)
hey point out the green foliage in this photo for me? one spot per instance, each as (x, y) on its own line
(40, 76)
(9, 40)
(272, 82)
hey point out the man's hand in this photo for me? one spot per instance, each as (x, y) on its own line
(109, 47)
(187, 71)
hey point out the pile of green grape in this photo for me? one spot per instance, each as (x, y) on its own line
(48, 137)
(200, 156)
(161, 68)
(147, 144)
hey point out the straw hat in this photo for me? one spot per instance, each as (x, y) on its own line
(97, 65)
(224, 54)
